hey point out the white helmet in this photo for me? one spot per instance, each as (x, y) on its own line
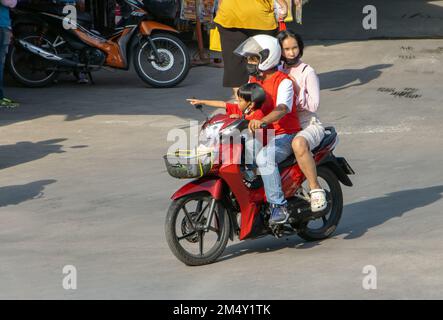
(264, 46)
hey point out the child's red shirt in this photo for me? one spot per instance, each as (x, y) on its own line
(232, 108)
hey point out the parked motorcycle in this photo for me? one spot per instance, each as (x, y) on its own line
(219, 204)
(43, 47)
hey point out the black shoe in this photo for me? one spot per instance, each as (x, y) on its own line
(254, 184)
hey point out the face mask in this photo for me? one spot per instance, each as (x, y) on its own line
(252, 69)
(291, 62)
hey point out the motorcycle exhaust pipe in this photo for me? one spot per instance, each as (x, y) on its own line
(48, 55)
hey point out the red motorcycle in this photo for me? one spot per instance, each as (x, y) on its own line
(219, 204)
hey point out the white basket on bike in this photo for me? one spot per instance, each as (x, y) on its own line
(187, 164)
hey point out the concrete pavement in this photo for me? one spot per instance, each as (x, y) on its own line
(83, 183)
(343, 20)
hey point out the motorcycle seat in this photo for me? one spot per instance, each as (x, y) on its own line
(330, 136)
(289, 162)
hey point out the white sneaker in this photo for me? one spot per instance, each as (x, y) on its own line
(318, 200)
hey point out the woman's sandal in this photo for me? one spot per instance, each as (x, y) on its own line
(318, 200)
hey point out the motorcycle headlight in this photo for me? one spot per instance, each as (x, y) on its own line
(211, 132)
(229, 131)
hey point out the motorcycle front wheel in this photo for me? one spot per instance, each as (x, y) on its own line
(173, 66)
(185, 234)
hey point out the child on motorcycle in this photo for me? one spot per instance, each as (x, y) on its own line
(308, 95)
(251, 96)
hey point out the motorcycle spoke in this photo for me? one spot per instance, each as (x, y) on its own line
(214, 229)
(199, 206)
(148, 55)
(202, 211)
(188, 216)
(324, 220)
(165, 45)
(186, 236)
(200, 242)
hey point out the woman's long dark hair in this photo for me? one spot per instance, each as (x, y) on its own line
(285, 34)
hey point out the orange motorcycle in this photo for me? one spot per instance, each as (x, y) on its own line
(44, 47)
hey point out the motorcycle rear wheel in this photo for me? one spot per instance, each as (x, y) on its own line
(29, 69)
(182, 235)
(330, 221)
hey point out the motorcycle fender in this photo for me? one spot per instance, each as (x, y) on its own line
(331, 162)
(146, 27)
(213, 186)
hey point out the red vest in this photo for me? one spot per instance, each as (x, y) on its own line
(290, 123)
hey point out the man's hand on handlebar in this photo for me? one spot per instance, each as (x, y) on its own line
(256, 124)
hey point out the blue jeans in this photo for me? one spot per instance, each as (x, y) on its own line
(5, 38)
(252, 148)
(277, 150)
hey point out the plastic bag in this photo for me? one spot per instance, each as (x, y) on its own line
(214, 40)
(277, 9)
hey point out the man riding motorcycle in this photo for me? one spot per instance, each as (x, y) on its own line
(263, 54)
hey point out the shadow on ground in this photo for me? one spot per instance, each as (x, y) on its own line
(13, 195)
(120, 94)
(26, 151)
(358, 218)
(343, 79)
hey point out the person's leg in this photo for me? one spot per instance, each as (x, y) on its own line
(235, 73)
(252, 148)
(5, 36)
(82, 78)
(267, 160)
(305, 141)
(2, 59)
(306, 161)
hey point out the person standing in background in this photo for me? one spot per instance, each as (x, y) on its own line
(5, 38)
(238, 20)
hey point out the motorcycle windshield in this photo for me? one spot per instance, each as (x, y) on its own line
(209, 137)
